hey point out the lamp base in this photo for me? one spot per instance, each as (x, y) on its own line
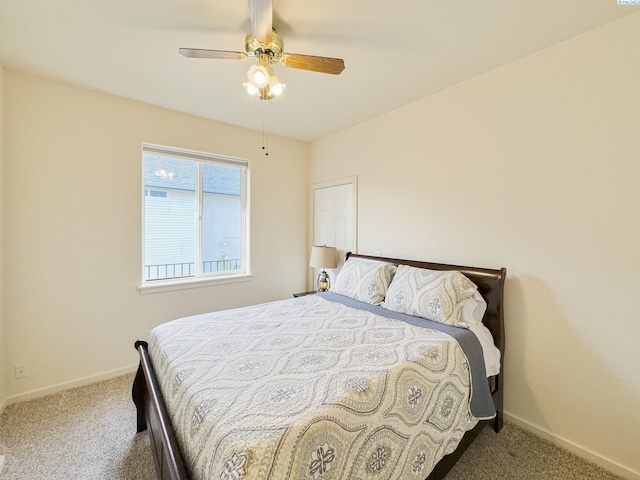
(323, 281)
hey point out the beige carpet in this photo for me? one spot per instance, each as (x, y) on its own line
(88, 433)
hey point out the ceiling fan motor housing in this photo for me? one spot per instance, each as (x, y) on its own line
(255, 48)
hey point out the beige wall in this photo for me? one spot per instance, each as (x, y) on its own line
(73, 228)
(2, 279)
(535, 167)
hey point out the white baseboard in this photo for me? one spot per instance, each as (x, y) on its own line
(578, 450)
(81, 382)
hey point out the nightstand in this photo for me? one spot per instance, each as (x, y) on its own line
(302, 294)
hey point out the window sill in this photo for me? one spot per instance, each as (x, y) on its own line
(186, 283)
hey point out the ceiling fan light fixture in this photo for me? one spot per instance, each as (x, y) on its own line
(275, 86)
(251, 89)
(258, 76)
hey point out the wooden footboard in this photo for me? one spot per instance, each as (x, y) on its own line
(152, 414)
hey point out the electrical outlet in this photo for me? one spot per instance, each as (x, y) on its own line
(377, 253)
(21, 371)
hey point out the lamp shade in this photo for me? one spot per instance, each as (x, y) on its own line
(324, 257)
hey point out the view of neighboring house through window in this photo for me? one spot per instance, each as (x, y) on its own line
(195, 214)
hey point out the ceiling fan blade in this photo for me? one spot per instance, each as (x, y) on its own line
(334, 66)
(202, 53)
(261, 13)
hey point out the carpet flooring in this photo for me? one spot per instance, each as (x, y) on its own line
(88, 433)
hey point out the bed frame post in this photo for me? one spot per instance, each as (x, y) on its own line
(153, 416)
(139, 393)
(497, 400)
(499, 337)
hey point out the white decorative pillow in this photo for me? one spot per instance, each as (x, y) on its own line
(442, 296)
(364, 280)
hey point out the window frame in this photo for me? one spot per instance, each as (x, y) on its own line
(200, 278)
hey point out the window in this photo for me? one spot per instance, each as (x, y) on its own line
(195, 215)
(156, 193)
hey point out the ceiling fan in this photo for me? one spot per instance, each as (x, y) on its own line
(266, 46)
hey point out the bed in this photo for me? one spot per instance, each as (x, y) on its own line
(327, 386)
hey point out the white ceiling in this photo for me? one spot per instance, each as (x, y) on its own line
(395, 52)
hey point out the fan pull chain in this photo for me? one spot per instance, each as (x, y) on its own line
(265, 146)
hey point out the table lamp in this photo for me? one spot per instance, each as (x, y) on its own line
(323, 257)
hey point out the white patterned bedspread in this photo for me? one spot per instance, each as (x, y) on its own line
(310, 389)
